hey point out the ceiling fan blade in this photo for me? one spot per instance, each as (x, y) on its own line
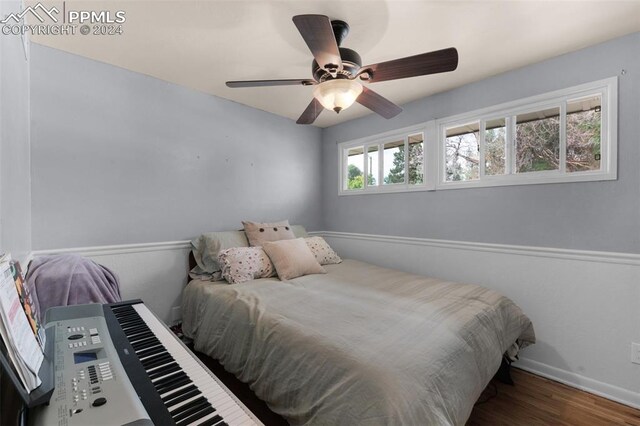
(412, 66)
(378, 104)
(311, 113)
(317, 32)
(264, 83)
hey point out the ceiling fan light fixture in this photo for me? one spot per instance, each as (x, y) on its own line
(337, 94)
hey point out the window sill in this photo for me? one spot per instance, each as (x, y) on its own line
(527, 179)
(386, 190)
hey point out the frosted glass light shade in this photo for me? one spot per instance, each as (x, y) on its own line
(337, 94)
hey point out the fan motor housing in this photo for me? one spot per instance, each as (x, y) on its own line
(351, 64)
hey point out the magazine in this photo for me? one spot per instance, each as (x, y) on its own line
(27, 304)
(22, 345)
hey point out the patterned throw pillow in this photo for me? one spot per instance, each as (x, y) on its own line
(258, 233)
(322, 251)
(241, 264)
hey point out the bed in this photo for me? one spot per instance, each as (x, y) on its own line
(359, 345)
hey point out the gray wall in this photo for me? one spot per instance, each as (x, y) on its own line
(119, 157)
(591, 216)
(15, 199)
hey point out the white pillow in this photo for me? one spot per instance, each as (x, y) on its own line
(322, 251)
(241, 264)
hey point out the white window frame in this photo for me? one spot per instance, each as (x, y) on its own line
(434, 144)
(607, 89)
(429, 161)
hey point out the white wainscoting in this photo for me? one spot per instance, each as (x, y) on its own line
(585, 306)
(155, 272)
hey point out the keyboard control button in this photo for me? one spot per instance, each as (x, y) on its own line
(99, 402)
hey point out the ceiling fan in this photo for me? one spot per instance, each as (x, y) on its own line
(336, 70)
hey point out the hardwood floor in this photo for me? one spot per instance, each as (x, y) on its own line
(532, 401)
(535, 400)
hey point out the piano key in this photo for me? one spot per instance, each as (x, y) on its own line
(150, 351)
(151, 364)
(163, 371)
(196, 416)
(170, 382)
(169, 378)
(174, 384)
(156, 362)
(175, 394)
(162, 357)
(128, 318)
(147, 343)
(125, 315)
(122, 314)
(187, 406)
(144, 341)
(218, 397)
(139, 335)
(213, 420)
(153, 356)
(129, 323)
(184, 396)
(206, 418)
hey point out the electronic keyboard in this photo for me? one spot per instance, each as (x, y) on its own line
(119, 364)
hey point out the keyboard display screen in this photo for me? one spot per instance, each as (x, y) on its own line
(80, 357)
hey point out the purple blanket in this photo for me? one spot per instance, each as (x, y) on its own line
(69, 280)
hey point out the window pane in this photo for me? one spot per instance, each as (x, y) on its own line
(462, 156)
(416, 159)
(495, 137)
(355, 167)
(583, 134)
(373, 157)
(394, 162)
(538, 141)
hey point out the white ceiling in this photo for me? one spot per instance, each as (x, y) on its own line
(202, 44)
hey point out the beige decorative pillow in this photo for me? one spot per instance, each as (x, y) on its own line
(240, 264)
(322, 251)
(258, 233)
(292, 258)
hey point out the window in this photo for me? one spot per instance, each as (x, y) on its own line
(416, 159)
(393, 162)
(373, 161)
(495, 140)
(462, 152)
(538, 141)
(584, 132)
(355, 168)
(562, 136)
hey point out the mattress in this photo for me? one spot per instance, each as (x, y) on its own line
(359, 345)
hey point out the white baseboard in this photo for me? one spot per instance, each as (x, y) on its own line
(586, 384)
(584, 305)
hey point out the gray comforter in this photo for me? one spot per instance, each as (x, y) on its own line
(360, 345)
